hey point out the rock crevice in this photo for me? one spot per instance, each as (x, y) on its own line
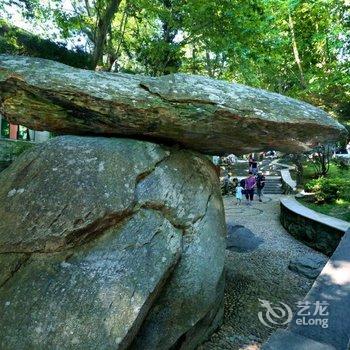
(113, 238)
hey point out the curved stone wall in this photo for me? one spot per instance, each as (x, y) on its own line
(318, 231)
(288, 184)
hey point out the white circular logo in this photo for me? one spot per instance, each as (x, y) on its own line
(274, 315)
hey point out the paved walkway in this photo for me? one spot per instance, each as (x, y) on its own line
(261, 273)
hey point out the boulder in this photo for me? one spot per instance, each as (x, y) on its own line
(111, 244)
(241, 239)
(207, 115)
(308, 266)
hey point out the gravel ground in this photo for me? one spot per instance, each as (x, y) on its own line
(259, 274)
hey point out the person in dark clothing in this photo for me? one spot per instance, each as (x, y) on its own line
(226, 184)
(260, 184)
(254, 167)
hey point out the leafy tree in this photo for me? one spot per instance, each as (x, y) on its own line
(321, 158)
(16, 41)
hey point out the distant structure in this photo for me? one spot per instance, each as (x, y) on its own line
(19, 132)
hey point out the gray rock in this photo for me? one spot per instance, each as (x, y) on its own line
(199, 113)
(232, 228)
(308, 266)
(80, 187)
(105, 245)
(241, 239)
(185, 300)
(94, 297)
(9, 264)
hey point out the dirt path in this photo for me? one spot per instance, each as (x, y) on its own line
(259, 273)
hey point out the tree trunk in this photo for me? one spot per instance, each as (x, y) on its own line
(194, 69)
(114, 65)
(103, 24)
(298, 162)
(296, 51)
(208, 63)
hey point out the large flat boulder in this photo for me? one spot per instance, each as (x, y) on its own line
(110, 244)
(207, 115)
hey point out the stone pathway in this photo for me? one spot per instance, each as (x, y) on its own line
(259, 273)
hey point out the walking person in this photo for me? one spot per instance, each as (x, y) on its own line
(250, 183)
(254, 167)
(260, 184)
(227, 184)
(242, 183)
(239, 194)
(250, 161)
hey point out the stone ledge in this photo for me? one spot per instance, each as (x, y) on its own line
(287, 180)
(299, 209)
(331, 286)
(331, 236)
(319, 231)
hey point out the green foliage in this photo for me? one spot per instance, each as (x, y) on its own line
(341, 163)
(328, 190)
(5, 129)
(19, 42)
(340, 209)
(10, 149)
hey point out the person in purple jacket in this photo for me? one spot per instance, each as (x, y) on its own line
(250, 183)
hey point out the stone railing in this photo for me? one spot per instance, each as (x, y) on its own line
(332, 288)
(289, 186)
(319, 231)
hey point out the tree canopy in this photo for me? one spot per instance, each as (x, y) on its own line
(300, 48)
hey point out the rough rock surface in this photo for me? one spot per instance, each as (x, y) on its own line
(241, 239)
(102, 246)
(308, 266)
(203, 114)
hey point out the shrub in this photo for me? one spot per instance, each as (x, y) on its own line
(341, 163)
(329, 190)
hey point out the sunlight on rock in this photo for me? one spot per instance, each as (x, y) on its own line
(338, 273)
